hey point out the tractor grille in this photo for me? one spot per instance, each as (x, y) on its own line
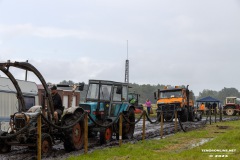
(20, 123)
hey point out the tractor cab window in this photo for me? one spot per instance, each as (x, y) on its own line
(105, 92)
(171, 94)
(116, 94)
(93, 90)
(231, 100)
(132, 96)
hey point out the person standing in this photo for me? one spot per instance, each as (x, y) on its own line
(57, 103)
(148, 105)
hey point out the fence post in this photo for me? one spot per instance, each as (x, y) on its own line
(144, 124)
(175, 112)
(86, 133)
(161, 124)
(215, 112)
(220, 114)
(120, 130)
(210, 115)
(39, 137)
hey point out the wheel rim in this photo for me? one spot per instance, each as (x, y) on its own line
(77, 134)
(229, 111)
(108, 134)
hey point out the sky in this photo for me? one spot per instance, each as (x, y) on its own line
(167, 42)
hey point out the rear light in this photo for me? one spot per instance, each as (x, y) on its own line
(98, 113)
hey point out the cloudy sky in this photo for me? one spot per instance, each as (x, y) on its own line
(194, 42)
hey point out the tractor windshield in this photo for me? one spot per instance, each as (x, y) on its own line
(105, 92)
(171, 94)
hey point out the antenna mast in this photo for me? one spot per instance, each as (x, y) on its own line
(127, 67)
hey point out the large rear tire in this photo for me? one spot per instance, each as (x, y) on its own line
(128, 129)
(74, 136)
(229, 111)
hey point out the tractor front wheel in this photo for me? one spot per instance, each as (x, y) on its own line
(106, 135)
(46, 145)
(4, 148)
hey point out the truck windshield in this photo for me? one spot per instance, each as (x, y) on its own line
(170, 94)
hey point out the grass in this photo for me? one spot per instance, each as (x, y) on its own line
(178, 146)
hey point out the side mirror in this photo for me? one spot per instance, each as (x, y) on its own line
(81, 86)
(155, 95)
(119, 90)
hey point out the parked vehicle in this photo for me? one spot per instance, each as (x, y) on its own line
(24, 123)
(134, 100)
(176, 98)
(8, 99)
(232, 106)
(105, 100)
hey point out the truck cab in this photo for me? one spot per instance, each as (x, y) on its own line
(177, 98)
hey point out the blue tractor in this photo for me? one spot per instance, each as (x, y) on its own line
(105, 101)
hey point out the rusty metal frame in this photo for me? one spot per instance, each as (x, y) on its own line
(26, 66)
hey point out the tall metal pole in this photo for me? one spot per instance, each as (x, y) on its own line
(127, 68)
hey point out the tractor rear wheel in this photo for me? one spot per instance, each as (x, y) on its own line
(128, 129)
(4, 148)
(46, 145)
(229, 111)
(74, 136)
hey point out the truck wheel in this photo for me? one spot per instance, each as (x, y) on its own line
(74, 136)
(229, 111)
(128, 129)
(159, 116)
(106, 136)
(184, 115)
(4, 148)
(46, 145)
(169, 118)
(191, 116)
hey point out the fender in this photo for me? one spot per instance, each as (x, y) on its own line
(70, 111)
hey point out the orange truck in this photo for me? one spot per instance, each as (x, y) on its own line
(177, 98)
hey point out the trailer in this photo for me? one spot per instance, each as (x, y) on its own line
(8, 99)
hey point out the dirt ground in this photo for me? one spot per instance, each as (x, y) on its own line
(152, 131)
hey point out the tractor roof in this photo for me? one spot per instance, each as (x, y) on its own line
(107, 82)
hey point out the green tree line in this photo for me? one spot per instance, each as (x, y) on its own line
(220, 95)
